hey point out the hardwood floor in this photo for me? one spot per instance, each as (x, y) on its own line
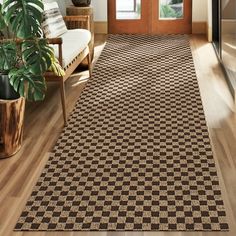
(44, 122)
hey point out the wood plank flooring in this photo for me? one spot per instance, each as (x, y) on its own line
(43, 124)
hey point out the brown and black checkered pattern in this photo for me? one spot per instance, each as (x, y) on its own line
(136, 153)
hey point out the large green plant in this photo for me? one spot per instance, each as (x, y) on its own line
(24, 54)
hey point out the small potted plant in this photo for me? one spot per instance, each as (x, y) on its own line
(25, 56)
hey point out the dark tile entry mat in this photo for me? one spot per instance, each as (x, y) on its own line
(136, 154)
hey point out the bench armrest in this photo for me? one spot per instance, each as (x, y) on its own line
(55, 40)
(59, 42)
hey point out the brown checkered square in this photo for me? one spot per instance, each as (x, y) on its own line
(136, 153)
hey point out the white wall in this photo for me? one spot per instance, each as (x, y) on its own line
(100, 10)
(209, 20)
(200, 10)
(209, 13)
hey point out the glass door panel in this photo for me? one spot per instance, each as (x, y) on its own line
(128, 9)
(171, 17)
(228, 37)
(171, 9)
(129, 16)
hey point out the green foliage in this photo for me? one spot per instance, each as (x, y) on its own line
(55, 66)
(168, 12)
(138, 9)
(176, 1)
(8, 56)
(24, 17)
(22, 79)
(37, 55)
(26, 56)
(2, 20)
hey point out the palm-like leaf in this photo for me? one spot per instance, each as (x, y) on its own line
(8, 56)
(28, 85)
(36, 55)
(24, 17)
(30, 57)
(56, 67)
(2, 21)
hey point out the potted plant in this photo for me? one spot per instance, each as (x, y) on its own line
(25, 56)
(81, 3)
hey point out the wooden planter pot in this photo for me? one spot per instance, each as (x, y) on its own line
(11, 126)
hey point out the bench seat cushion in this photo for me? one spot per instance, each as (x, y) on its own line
(74, 42)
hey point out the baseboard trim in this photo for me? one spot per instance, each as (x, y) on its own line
(101, 27)
(199, 28)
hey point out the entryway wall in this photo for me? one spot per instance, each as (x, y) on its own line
(209, 20)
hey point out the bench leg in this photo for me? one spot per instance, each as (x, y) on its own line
(89, 64)
(63, 100)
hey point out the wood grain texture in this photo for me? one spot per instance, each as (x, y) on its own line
(44, 123)
(11, 126)
(199, 28)
(101, 27)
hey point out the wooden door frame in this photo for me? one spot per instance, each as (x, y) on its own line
(129, 26)
(149, 23)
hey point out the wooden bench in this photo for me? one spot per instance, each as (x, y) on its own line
(71, 49)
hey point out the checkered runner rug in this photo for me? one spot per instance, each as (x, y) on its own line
(136, 153)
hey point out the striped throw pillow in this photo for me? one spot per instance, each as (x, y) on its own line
(53, 24)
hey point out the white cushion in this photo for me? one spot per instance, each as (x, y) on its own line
(74, 42)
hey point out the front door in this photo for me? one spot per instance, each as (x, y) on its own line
(150, 16)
